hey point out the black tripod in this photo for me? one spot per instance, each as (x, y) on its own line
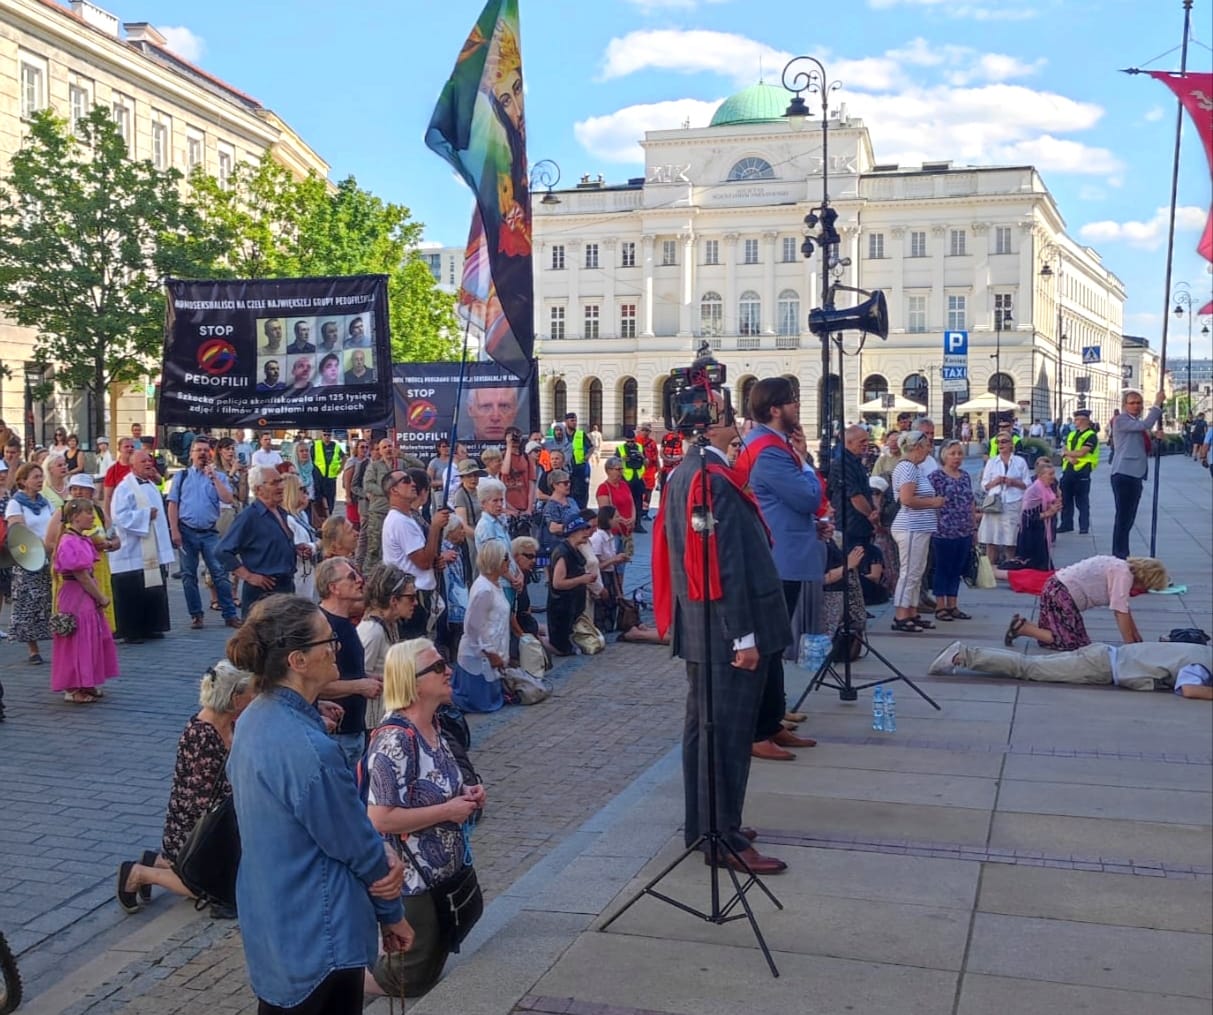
(711, 841)
(845, 638)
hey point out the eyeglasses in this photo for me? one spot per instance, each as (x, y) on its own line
(332, 642)
(529, 556)
(351, 576)
(439, 666)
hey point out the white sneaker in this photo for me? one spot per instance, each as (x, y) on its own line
(944, 663)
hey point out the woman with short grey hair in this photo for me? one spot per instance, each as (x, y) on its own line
(492, 528)
(198, 779)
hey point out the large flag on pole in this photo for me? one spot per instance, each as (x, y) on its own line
(479, 128)
(1195, 93)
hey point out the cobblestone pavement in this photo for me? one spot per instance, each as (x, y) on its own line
(84, 787)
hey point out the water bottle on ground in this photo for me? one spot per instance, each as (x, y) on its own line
(878, 709)
(890, 712)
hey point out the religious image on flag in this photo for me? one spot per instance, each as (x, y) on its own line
(1195, 93)
(478, 126)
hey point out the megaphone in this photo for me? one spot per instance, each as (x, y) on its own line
(22, 548)
(870, 316)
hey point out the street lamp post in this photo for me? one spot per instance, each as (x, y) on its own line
(1059, 337)
(799, 79)
(1182, 298)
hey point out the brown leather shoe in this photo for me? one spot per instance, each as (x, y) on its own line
(748, 832)
(196, 624)
(786, 738)
(752, 862)
(233, 622)
(767, 750)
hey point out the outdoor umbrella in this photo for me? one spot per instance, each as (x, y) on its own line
(987, 402)
(900, 404)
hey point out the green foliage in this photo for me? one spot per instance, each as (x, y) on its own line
(270, 225)
(86, 235)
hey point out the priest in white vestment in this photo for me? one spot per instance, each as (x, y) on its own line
(139, 566)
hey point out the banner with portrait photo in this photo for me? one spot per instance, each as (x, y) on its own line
(494, 399)
(306, 353)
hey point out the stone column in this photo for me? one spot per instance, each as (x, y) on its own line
(897, 296)
(981, 267)
(771, 297)
(937, 305)
(686, 295)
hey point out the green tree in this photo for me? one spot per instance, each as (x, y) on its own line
(86, 235)
(271, 225)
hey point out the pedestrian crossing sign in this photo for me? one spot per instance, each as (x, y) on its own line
(1090, 353)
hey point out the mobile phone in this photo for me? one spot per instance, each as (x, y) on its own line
(242, 458)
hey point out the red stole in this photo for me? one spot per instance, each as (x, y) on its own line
(699, 584)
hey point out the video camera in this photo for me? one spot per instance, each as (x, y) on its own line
(688, 404)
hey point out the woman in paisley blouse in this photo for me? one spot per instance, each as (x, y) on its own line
(956, 527)
(416, 793)
(198, 778)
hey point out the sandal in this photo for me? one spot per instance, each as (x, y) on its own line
(907, 626)
(78, 697)
(960, 615)
(928, 625)
(944, 615)
(1013, 628)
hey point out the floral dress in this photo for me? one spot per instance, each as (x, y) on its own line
(198, 779)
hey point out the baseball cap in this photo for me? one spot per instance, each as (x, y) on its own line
(103, 440)
(469, 467)
(533, 446)
(576, 525)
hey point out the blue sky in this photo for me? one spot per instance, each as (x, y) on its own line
(976, 81)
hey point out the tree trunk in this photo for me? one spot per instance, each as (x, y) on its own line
(99, 398)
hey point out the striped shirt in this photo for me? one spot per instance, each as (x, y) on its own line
(913, 519)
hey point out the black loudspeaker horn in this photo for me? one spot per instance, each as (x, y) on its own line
(870, 316)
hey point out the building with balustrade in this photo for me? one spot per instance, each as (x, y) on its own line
(630, 278)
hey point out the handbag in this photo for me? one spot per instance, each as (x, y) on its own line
(992, 505)
(210, 857)
(458, 901)
(526, 688)
(587, 637)
(985, 573)
(63, 624)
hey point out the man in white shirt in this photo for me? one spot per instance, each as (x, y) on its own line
(405, 543)
(139, 565)
(265, 453)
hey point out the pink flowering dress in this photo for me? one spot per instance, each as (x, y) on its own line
(87, 658)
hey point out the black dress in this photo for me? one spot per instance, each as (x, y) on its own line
(565, 607)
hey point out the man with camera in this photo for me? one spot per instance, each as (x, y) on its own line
(519, 475)
(195, 499)
(747, 632)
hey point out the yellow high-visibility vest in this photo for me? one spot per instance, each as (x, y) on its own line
(1089, 459)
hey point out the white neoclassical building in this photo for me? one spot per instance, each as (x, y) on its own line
(630, 278)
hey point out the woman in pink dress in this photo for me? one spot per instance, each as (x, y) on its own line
(86, 658)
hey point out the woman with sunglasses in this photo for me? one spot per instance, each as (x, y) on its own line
(390, 597)
(957, 525)
(317, 885)
(417, 793)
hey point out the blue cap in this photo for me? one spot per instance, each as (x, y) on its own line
(576, 525)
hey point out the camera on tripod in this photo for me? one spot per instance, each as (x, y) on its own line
(688, 401)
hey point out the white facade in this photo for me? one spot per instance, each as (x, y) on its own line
(629, 279)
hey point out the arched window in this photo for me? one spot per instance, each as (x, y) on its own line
(749, 313)
(629, 401)
(828, 397)
(789, 312)
(711, 314)
(594, 398)
(560, 399)
(752, 168)
(874, 385)
(1003, 386)
(917, 389)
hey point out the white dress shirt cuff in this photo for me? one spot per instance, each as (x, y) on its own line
(741, 644)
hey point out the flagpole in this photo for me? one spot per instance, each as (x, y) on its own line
(463, 369)
(1166, 288)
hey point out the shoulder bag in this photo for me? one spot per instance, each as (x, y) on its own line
(209, 859)
(993, 505)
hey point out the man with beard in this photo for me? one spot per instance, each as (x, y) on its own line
(748, 632)
(790, 496)
(139, 565)
(271, 382)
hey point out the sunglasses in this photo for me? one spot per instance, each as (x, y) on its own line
(439, 666)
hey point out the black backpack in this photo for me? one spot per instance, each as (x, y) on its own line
(633, 455)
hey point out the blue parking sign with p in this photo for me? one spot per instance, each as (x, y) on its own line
(955, 343)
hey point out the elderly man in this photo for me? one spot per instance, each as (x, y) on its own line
(196, 498)
(259, 548)
(491, 411)
(340, 587)
(789, 495)
(1132, 462)
(849, 480)
(139, 565)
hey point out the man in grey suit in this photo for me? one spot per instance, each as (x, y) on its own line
(749, 631)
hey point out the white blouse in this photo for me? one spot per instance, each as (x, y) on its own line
(1016, 468)
(486, 628)
(37, 521)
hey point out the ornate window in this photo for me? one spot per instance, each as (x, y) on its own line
(752, 168)
(711, 314)
(789, 312)
(749, 313)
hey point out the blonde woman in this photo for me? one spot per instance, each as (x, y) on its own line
(295, 503)
(1096, 581)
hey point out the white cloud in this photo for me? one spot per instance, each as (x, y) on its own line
(1147, 235)
(615, 137)
(953, 9)
(1154, 114)
(657, 6)
(689, 52)
(183, 42)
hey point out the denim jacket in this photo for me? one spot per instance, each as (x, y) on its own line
(308, 852)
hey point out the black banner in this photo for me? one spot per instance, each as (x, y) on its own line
(493, 399)
(307, 353)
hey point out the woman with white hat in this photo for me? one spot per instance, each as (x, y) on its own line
(82, 486)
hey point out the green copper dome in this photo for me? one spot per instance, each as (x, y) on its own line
(759, 103)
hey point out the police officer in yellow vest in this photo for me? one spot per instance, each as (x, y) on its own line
(327, 459)
(578, 449)
(1078, 462)
(631, 452)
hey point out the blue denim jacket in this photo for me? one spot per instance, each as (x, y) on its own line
(309, 852)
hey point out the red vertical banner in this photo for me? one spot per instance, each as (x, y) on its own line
(1195, 94)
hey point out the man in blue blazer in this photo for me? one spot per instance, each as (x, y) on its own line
(789, 494)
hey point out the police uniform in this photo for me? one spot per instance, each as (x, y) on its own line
(1076, 475)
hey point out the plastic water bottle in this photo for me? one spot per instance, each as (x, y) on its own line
(878, 710)
(890, 712)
